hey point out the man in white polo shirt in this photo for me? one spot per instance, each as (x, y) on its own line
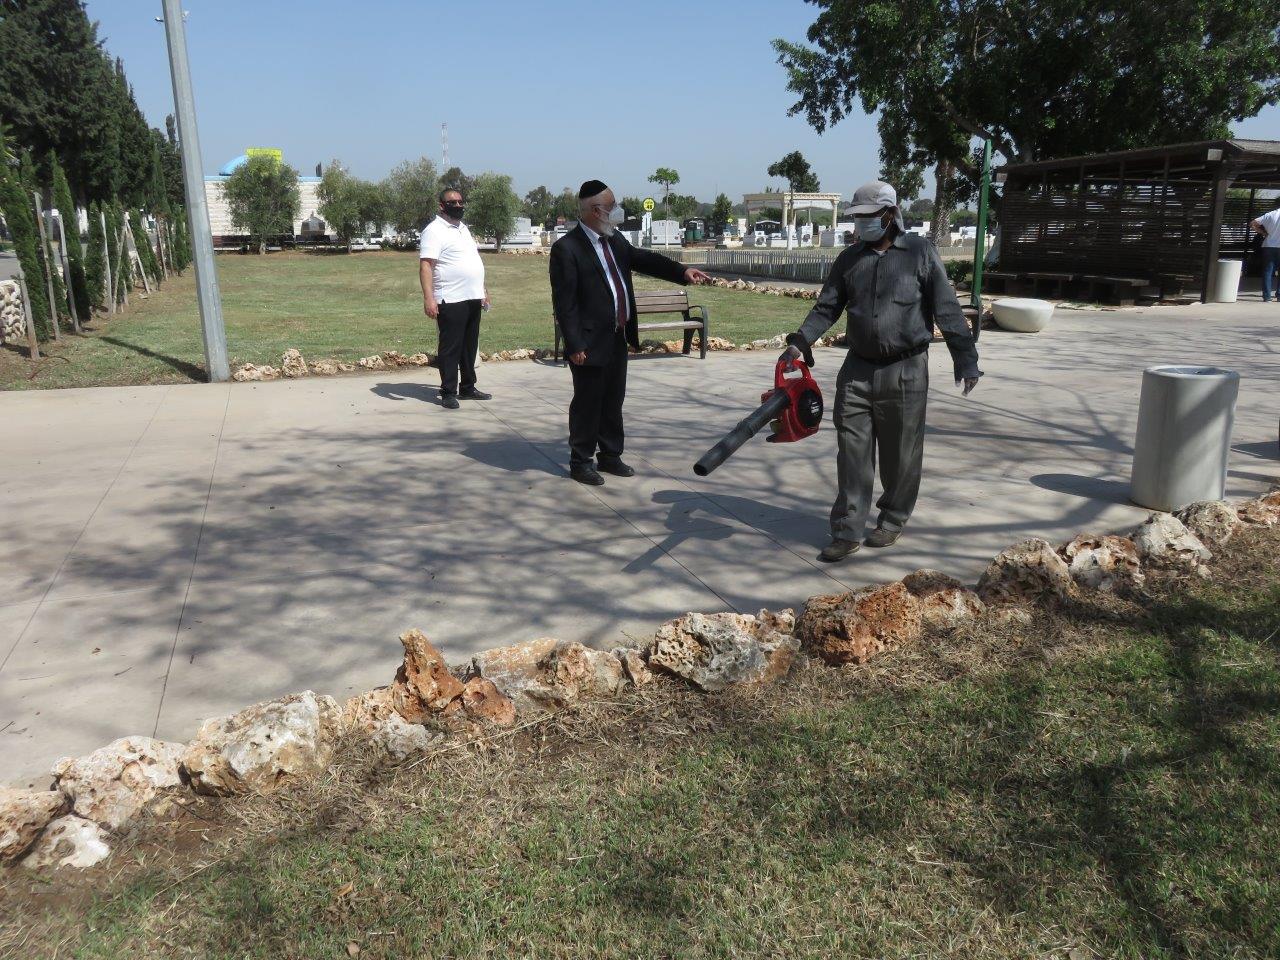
(453, 294)
(1268, 225)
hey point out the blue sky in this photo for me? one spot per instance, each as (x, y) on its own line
(550, 92)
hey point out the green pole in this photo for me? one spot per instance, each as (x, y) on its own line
(980, 241)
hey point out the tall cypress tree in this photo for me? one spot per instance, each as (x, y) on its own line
(71, 227)
(113, 250)
(143, 241)
(15, 203)
(94, 264)
(49, 272)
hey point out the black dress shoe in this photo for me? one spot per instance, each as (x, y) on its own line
(880, 537)
(616, 467)
(471, 393)
(838, 549)
(449, 402)
(586, 473)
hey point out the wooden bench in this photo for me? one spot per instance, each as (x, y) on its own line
(1119, 291)
(651, 302)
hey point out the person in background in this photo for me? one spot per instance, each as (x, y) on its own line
(1268, 227)
(595, 305)
(453, 294)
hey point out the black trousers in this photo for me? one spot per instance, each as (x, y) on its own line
(459, 325)
(595, 414)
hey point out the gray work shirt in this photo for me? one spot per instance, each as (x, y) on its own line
(891, 298)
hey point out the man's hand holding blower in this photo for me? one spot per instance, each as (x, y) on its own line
(895, 289)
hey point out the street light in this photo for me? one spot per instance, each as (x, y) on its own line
(215, 334)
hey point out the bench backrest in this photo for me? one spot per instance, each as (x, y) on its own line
(662, 301)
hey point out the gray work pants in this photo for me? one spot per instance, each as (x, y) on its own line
(879, 411)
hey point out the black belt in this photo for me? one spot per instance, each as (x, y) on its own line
(885, 361)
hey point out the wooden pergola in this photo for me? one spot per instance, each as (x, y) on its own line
(1155, 220)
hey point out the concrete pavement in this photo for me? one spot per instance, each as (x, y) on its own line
(177, 552)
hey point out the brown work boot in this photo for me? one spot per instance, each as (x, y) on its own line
(883, 537)
(838, 549)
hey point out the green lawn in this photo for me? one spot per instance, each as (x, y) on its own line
(339, 306)
(1101, 783)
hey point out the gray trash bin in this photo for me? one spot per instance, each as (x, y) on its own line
(1184, 435)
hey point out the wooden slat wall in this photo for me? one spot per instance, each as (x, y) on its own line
(1140, 230)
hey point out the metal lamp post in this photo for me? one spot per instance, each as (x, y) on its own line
(980, 241)
(215, 334)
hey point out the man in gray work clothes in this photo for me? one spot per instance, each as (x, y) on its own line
(895, 289)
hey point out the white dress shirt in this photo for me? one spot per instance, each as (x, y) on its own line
(459, 272)
(597, 244)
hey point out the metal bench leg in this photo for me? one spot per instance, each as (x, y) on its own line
(688, 342)
(705, 337)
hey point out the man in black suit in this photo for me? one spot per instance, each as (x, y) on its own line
(595, 306)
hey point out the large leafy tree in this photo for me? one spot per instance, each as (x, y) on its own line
(262, 198)
(1042, 78)
(682, 205)
(795, 169)
(348, 203)
(492, 207)
(566, 205)
(668, 177)
(721, 211)
(410, 191)
(455, 179)
(539, 204)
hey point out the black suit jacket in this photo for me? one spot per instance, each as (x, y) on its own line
(583, 299)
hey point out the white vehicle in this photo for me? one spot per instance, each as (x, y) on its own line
(362, 243)
(666, 233)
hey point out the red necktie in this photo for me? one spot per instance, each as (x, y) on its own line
(618, 285)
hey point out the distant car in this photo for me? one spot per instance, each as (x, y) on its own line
(378, 240)
(362, 243)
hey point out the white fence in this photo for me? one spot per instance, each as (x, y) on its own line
(810, 265)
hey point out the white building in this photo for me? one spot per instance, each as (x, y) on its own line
(226, 235)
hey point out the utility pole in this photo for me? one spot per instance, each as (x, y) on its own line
(215, 334)
(444, 147)
(980, 240)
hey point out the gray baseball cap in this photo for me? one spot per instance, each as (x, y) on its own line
(873, 197)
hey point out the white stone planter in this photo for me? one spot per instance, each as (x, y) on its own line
(1022, 314)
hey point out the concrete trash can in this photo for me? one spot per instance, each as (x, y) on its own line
(1226, 283)
(1185, 417)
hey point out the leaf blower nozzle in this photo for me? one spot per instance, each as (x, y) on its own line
(795, 402)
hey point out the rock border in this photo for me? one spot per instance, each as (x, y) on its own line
(272, 745)
(293, 365)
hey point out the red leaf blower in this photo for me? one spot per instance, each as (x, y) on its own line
(794, 405)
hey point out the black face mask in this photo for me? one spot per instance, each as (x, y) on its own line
(455, 210)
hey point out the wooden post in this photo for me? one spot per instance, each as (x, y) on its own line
(33, 345)
(133, 243)
(66, 273)
(47, 256)
(106, 266)
(122, 259)
(161, 249)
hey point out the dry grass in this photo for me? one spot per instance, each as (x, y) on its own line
(1100, 781)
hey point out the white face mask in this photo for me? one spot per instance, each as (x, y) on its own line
(870, 229)
(617, 215)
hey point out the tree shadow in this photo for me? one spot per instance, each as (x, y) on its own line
(194, 371)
